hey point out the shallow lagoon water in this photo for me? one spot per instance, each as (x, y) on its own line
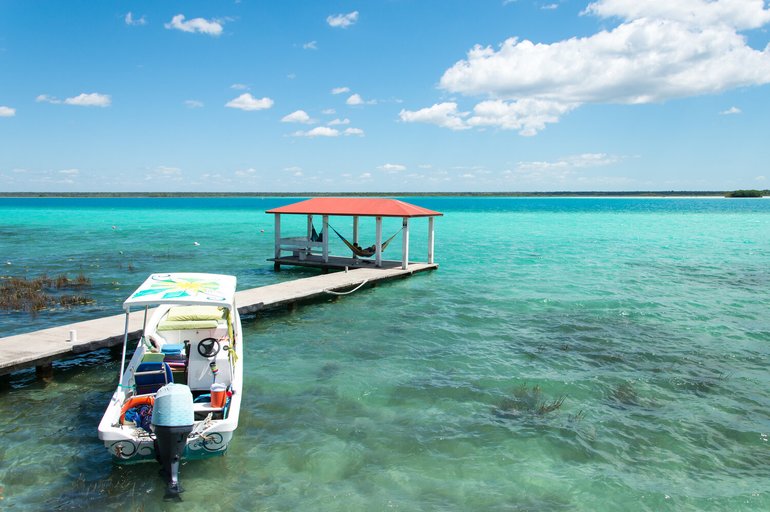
(648, 316)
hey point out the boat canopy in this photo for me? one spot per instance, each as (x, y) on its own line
(185, 288)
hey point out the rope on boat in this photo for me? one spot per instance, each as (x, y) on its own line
(350, 291)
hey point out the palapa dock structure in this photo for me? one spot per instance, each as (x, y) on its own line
(312, 250)
(40, 349)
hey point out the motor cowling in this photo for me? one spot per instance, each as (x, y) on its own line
(172, 421)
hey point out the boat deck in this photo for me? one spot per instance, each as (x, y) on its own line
(40, 348)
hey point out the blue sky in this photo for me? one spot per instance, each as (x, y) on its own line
(384, 95)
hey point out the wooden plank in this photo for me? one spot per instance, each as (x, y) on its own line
(42, 347)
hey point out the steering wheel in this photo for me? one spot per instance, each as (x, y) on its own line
(208, 347)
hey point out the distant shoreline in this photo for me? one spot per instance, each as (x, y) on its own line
(679, 193)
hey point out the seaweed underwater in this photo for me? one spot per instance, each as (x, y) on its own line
(34, 295)
(527, 401)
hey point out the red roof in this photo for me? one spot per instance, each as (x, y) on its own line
(355, 206)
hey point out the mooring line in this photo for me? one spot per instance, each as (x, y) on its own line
(348, 292)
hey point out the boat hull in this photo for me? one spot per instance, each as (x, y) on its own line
(131, 451)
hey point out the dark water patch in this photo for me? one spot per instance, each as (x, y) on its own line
(624, 395)
(433, 387)
(328, 371)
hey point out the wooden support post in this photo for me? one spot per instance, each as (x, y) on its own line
(276, 265)
(309, 230)
(405, 244)
(378, 244)
(430, 240)
(44, 372)
(326, 239)
(355, 234)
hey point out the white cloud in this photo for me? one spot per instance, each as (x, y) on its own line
(44, 98)
(569, 163)
(70, 172)
(392, 168)
(200, 25)
(248, 102)
(760, 178)
(164, 173)
(240, 87)
(7, 111)
(528, 116)
(354, 131)
(329, 111)
(731, 111)
(365, 175)
(338, 121)
(658, 51)
(739, 14)
(93, 99)
(298, 116)
(193, 104)
(550, 7)
(168, 171)
(445, 115)
(641, 61)
(312, 45)
(340, 90)
(130, 20)
(318, 131)
(342, 20)
(356, 99)
(246, 173)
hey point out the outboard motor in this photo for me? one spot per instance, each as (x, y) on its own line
(172, 419)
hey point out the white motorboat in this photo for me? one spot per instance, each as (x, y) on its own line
(180, 394)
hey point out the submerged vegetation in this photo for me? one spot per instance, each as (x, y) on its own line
(527, 401)
(33, 295)
(624, 395)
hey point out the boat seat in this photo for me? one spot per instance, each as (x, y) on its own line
(172, 348)
(152, 357)
(150, 377)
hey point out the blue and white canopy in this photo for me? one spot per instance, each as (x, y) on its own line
(185, 288)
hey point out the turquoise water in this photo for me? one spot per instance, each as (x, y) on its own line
(649, 317)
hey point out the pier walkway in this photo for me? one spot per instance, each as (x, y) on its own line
(40, 348)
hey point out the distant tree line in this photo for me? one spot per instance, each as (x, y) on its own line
(747, 193)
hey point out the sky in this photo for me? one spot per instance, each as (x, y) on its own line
(384, 95)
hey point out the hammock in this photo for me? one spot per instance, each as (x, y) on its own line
(369, 251)
(315, 237)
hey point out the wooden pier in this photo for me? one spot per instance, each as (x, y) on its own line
(40, 349)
